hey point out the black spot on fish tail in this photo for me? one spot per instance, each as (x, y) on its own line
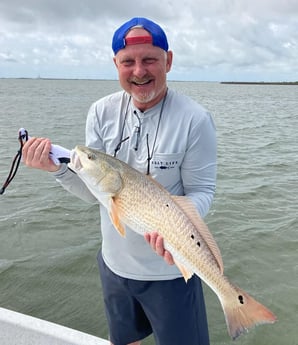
(192, 237)
(241, 300)
(198, 244)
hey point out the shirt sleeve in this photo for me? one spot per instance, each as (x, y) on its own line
(199, 166)
(70, 181)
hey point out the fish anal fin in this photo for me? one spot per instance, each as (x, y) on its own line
(184, 271)
(115, 218)
(189, 209)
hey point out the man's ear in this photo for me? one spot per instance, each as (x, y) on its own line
(115, 61)
(169, 60)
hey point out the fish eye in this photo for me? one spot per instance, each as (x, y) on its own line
(91, 156)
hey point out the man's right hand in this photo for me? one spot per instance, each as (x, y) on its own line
(36, 154)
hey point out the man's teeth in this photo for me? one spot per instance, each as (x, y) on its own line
(142, 83)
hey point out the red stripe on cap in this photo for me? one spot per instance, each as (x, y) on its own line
(138, 40)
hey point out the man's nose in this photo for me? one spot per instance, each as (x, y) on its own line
(139, 70)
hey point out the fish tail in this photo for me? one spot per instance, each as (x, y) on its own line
(245, 313)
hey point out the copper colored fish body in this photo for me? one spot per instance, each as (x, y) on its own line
(136, 200)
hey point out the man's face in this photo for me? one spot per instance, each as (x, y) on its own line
(142, 70)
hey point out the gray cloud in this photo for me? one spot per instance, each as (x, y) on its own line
(211, 39)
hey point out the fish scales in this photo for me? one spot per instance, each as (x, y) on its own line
(156, 211)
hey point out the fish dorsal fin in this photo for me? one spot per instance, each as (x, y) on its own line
(189, 209)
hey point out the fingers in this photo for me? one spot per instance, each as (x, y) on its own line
(168, 258)
(157, 244)
(36, 154)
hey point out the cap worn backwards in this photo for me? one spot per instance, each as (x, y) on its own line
(158, 37)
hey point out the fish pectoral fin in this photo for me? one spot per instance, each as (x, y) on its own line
(114, 215)
(187, 274)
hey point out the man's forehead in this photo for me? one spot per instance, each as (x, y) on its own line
(133, 52)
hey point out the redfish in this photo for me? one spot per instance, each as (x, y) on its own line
(136, 200)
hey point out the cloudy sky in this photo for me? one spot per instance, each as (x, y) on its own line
(212, 40)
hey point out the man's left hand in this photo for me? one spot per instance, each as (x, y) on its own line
(156, 243)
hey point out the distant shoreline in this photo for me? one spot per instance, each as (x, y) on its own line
(260, 82)
(169, 80)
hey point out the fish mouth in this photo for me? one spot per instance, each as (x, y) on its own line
(75, 163)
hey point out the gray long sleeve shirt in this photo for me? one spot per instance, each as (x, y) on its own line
(181, 137)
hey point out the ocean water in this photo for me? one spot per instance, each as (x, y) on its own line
(49, 239)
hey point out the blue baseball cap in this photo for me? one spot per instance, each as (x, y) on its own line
(158, 37)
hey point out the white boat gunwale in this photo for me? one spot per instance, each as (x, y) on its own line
(21, 329)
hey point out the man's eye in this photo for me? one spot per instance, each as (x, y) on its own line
(127, 62)
(149, 61)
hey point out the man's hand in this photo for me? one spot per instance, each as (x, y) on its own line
(36, 154)
(156, 243)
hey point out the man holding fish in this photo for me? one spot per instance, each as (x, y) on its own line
(172, 138)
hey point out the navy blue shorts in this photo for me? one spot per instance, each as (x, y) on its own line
(173, 310)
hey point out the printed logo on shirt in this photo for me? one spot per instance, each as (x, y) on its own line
(166, 161)
(165, 168)
(164, 164)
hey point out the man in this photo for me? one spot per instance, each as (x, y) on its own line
(157, 131)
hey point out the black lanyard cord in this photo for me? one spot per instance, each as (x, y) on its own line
(23, 136)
